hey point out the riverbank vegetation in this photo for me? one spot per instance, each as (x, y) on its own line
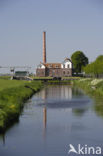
(13, 94)
(5, 77)
(94, 88)
(95, 69)
(59, 82)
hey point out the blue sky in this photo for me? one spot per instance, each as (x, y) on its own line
(70, 25)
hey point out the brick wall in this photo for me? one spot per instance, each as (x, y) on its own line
(54, 72)
(40, 72)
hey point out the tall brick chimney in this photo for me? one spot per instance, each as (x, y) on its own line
(44, 47)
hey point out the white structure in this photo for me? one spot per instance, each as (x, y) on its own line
(55, 69)
(67, 64)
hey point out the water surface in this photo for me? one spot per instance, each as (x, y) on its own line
(51, 120)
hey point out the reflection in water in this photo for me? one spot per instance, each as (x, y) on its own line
(44, 120)
(77, 92)
(3, 138)
(56, 92)
(54, 118)
(98, 106)
(80, 111)
(62, 93)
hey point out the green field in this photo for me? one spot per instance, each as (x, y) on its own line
(5, 84)
(13, 94)
(42, 78)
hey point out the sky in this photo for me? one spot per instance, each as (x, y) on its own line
(70, 25)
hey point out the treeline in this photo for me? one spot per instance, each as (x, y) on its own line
(80, 65)
(95, 69)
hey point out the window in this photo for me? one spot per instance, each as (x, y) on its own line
(63, 65)
(56, 66)
(50, 66)
(64, 72)
(68, 66)
(53, 73)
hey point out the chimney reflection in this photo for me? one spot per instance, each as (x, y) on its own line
(44, 120)
(54, 92)
(44, 97)
(43, 94)
(44, 117)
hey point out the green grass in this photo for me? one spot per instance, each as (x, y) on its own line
(67, 78)
(59, 82)
(43, 78)
(70, 78)
(5, 77)
(13, 94)
(5, 84)
(91, 86)
(95, 90)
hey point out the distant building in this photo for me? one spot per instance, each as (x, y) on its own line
(53, 69)
(21, 73)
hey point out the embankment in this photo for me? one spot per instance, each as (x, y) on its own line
(94, 88)
(13, 94)
(91, 86)
(59, 82)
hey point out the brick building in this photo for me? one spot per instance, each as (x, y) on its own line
(53, 69)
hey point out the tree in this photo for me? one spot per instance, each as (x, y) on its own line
(99, 58)
(79, 61)
(95, 68)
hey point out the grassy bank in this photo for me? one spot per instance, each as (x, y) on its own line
(59, 82)
(92, 86)
(13, 94)
(5, 77)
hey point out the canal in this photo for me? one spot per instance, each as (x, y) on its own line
(52, 119)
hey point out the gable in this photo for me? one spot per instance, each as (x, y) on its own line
(41, 66)
(67, 63)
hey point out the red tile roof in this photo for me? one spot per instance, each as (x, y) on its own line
(52, 65)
